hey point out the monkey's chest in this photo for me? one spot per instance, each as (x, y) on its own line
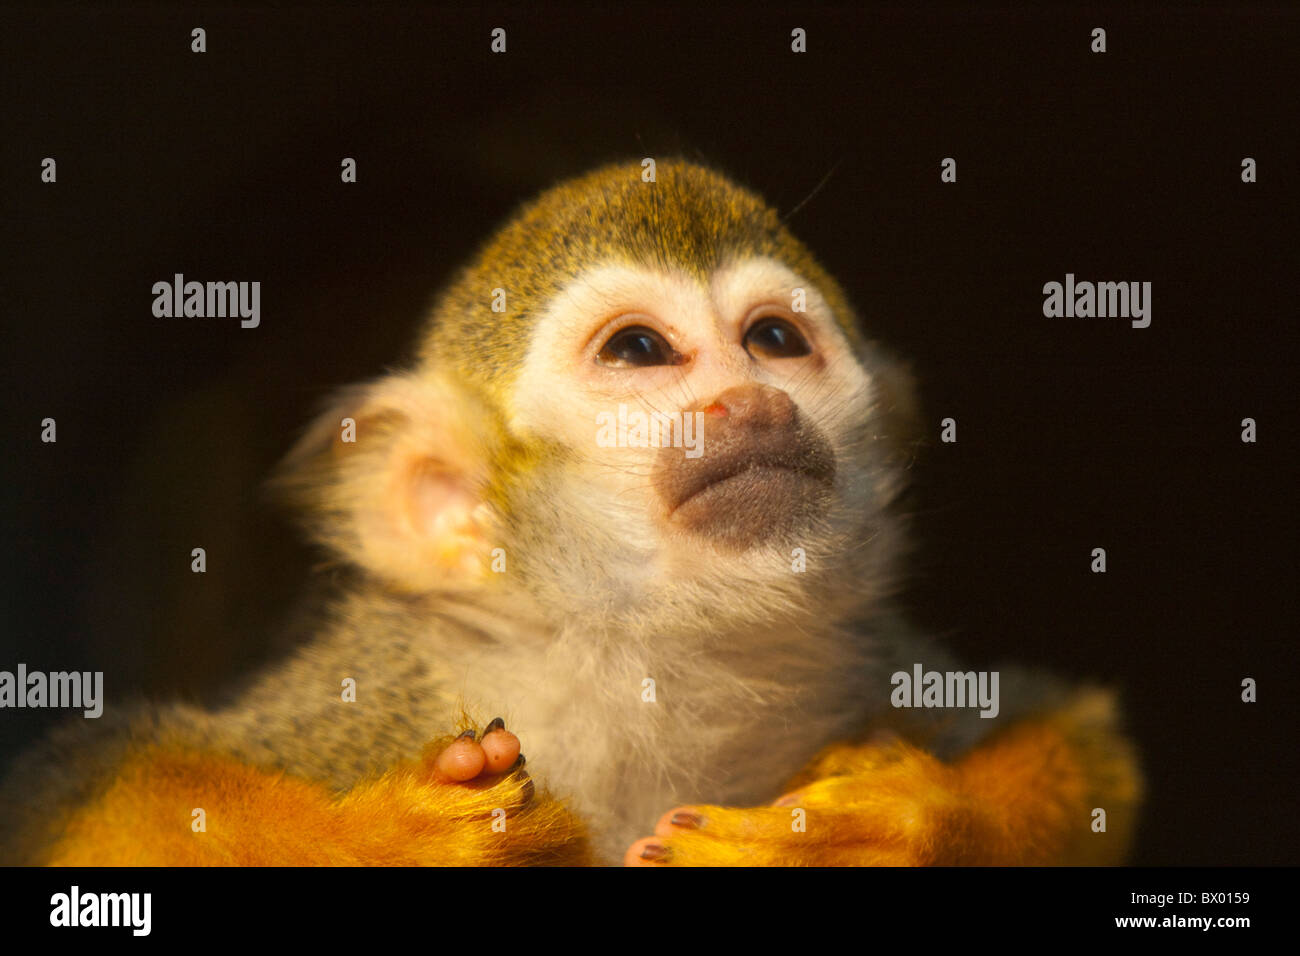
(625, 730)
(623, 760)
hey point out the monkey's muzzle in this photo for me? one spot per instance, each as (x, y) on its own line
(763, 471)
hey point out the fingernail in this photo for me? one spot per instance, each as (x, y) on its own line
(467, 735)
(653, 851)
(497, 724)
(685, 819)
(518, 764)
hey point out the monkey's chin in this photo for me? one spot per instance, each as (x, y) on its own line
(763, 504)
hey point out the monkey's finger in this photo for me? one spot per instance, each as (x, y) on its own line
(729, 824)
(679, 819)
(463, 759)
(648, 851)
(501, 749)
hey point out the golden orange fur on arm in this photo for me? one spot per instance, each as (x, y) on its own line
(258, 818)
(1026, 796)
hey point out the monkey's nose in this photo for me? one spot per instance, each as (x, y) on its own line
(753, 404)
(759, 472)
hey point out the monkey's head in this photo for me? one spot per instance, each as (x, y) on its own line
(643, 402)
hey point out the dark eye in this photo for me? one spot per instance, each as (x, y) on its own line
(637, 347)
(775, 338)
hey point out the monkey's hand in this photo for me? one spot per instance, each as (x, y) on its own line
(1027, 796)
(464, 803)
(467, 803)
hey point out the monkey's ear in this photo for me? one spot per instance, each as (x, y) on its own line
(391, 479)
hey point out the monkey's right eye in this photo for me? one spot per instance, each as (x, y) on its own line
(637, 347)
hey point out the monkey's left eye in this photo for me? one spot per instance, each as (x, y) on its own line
(637, 347)
(775, 338)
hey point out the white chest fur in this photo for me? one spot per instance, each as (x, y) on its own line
(626, 730)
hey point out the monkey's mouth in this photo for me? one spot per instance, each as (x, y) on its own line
(735, 477)
(744, 495)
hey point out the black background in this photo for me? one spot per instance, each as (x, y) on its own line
(1073, 433)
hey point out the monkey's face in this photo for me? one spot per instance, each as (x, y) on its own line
(706, 434)
(674, 416)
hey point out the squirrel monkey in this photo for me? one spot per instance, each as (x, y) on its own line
(634, 492)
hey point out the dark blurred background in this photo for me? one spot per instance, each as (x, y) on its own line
(1073, 433)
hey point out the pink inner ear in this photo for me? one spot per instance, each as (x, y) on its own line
(440, 500)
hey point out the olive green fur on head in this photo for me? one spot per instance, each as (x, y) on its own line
(691, 219)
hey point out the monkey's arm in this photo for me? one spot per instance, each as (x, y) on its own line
(1026, 796)
(254, 818)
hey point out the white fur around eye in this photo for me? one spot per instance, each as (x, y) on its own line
(560, 388)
